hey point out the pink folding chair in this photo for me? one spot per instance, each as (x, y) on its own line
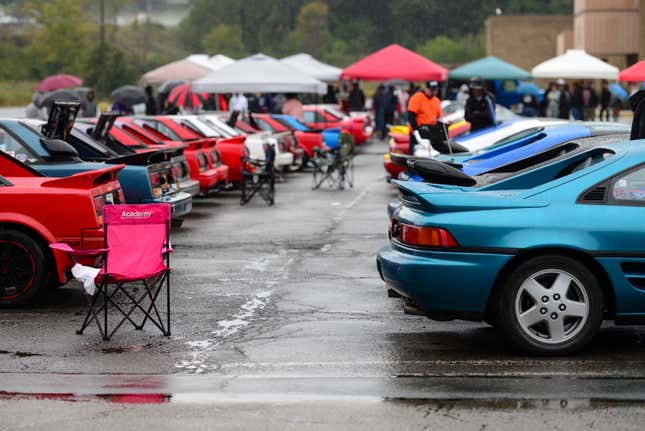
(137, 248)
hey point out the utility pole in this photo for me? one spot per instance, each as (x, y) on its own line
(102, 45)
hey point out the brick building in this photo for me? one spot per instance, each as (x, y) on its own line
(613, 30)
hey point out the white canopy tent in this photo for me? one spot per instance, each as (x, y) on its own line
(187, 69)
(312, 67)
(575, 64)
(259, 74)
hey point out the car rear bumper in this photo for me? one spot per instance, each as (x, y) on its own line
(190, 186)
(441, 281)
(181, 203)
(208, 180)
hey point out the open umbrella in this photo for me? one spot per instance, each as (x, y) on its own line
(618, 91)
(129, 95)
(48, 99)
(167, 86)
(528, 88)
(57, 82)
(185, 97)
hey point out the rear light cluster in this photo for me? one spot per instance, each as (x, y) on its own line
(202, 160)
(180, 169)
(114, 197)
(216, 157)
(424, 236)
(162, 180)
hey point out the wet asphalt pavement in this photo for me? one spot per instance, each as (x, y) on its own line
(279, 317)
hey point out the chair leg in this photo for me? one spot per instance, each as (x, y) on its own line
(91, 313)
(167, 334)
(105, 312)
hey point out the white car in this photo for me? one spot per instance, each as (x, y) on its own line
(212, 127)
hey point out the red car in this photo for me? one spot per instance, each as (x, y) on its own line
(325, 117)
(36, 211)
(231, 150)
(142, 142)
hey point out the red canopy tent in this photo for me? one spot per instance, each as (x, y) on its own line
(634, 73)
(395, 62)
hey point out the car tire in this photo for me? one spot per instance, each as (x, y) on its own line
(24, 268)
(550, 305)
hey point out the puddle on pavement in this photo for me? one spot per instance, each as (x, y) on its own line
(127, 349)
(19, 354)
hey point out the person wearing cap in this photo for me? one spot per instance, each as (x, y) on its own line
(480, 108)
(424, 110)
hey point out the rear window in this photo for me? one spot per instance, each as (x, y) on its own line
(513, 138)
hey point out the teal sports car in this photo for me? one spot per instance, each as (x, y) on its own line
(545, 254)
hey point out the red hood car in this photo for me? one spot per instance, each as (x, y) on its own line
(36, 211)
(231, 150)
(324, 117)
(124, 132)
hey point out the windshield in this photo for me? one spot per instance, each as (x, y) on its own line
(221, 126)
(11, 146)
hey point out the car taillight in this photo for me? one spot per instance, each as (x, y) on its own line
(425, 236)
(216, 157)
(202, 160)
(114, 197)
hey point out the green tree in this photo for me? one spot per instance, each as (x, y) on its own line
(312, 27)
(65, 34)
(119, 69)
(224, 39)
(443, 49)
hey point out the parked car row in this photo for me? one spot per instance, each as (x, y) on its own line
(532, 226)
(56, 177)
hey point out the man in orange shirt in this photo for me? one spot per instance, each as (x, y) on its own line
(424, 109)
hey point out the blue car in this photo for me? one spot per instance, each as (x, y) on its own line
(544, 255)
(330, 136)
(147, 178)
(525, 144)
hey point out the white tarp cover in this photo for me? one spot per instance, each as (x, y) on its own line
(193, 67)
(259, 73)
(312, 67)
(575, 64)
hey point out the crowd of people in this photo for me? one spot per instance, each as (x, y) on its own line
(579, 102)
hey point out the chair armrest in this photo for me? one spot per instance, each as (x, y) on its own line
(61, 246)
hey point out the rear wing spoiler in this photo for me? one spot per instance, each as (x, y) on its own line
(61, 120)
(104, 124)
(86, 180)
(433, 171)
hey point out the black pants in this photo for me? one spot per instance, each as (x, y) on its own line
(604, 109)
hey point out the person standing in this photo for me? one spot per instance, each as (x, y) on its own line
(424, 110)
(637, 102)
(590, 98)
(330, 97)
(151, 102)
(379, 111)
(480, 108)
(239, 103)
(552, 101)
(293, 107)
(356, 98)
(605, 99)
(565, 102)
(577, 102)
(390, 102)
